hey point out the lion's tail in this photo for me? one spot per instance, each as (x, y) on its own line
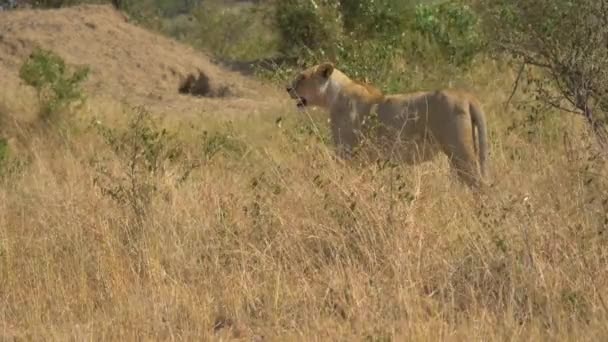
(478, 119)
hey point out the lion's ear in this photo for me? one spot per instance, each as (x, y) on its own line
(326, 69)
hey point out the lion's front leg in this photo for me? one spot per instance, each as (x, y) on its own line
(344, 152)
(344, 137)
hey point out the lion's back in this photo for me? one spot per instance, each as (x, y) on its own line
(437, 111)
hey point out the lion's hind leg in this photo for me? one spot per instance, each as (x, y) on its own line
(466, 171)
(462, 159)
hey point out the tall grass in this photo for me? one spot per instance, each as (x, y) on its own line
(278, 240)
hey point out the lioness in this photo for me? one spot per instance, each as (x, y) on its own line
(412, 127)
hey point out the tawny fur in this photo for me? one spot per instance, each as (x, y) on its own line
(412, 128)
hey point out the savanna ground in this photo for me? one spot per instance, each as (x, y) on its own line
(113, 229)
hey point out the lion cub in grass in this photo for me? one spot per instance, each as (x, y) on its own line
(410, 128)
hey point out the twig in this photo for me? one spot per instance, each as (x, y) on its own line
(516, 85)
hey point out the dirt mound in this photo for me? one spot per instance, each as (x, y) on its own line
(128, 63)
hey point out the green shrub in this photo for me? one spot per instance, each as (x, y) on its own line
(231, 32)
(222, 141)
(371, 39)
(453, 27)
(3, 152)
(374, 18)
(307, 26)
(145, 154)
(56, 86)
(368, 59)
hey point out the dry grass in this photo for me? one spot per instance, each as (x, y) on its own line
(281, 242)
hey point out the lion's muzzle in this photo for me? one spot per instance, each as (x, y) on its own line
(301, 102)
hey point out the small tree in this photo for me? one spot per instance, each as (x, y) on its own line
(56, 85)
(567, 41)
(146, 155)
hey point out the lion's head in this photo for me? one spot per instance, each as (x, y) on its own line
(309, 85)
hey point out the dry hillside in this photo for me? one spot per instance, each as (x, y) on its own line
(128, 63)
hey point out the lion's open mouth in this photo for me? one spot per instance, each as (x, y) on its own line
(301, 102)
